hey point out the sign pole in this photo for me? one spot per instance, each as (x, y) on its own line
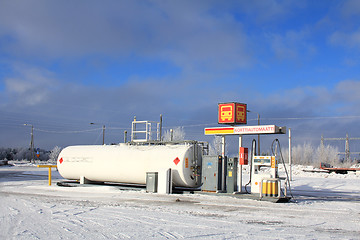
(239, 169)
(223, 165)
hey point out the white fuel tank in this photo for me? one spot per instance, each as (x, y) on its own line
(125, 163)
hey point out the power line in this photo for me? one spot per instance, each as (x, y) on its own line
(77, 131)
(311, 118)
(185, 126)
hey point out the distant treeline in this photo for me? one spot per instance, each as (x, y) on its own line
(29, 154)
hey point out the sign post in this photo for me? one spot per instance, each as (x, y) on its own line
(223, 164)
(239, 169)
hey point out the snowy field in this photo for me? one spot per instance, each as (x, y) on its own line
(327, 207)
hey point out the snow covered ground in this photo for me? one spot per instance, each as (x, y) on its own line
(327, 206)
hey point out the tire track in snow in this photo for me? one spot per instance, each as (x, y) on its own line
(170, 235)
(123, 235)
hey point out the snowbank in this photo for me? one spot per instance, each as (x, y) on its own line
(327, 207)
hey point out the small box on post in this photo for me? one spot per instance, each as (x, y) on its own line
(232, 113)
(243, 156)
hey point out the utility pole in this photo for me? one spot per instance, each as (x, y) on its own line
(31, 142)
(160, 130)
(103, 134)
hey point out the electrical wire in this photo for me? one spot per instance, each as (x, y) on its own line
(311, 118)
(77, 131)
(100, 133)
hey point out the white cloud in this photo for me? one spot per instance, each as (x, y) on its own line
(350, 8)
(348, 91)
(347, 39)
(270, 11)
(31, 86)
(183, 32)
(292, 44)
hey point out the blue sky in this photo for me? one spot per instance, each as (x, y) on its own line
(65, 64)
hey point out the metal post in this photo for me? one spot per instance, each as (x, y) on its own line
(223, 146)
(239, 169)
(160, 128)
(259, 153)
(125, 136)
(171, 134)
(290, 155)
(149, 132)
(31, 141)
(223, 180)
(103, 134)
(49, 176)
(133, 130)
(347, 149)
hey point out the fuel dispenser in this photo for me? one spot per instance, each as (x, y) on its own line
(231, 175)
(265, 179)
(264, 175)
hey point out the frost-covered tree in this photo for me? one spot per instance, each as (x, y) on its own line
(303, 154)
(327, 154)
(28, 154)
(23, 154)
(2, 153)
(306, 154)
(54, 153)
(177, 134)
(215, 146)
(7, 153)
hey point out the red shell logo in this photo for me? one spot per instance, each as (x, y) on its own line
(176, 161)
(61, 160)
